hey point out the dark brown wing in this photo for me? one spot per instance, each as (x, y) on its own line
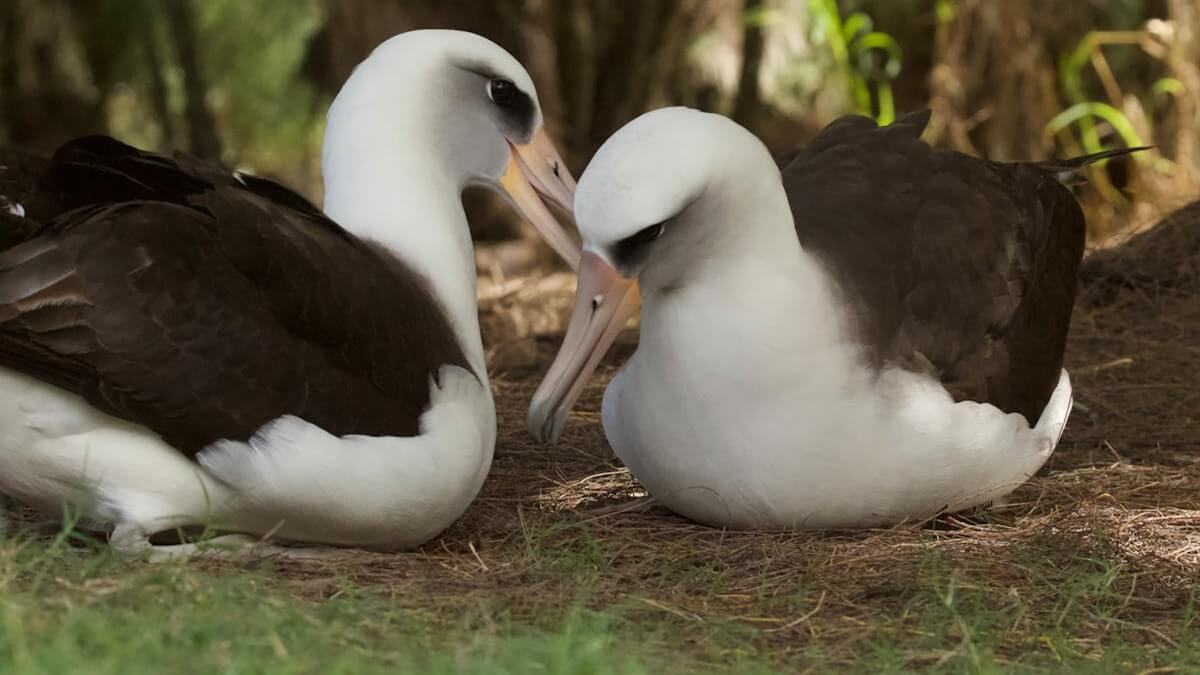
(961, 266)
(203, 306)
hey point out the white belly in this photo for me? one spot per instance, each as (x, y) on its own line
(293, 480)
(819, 451)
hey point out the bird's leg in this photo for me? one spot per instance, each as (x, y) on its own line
(132, 541)
(244, 548)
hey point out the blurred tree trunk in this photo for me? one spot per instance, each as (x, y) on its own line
(47, 98)
(203, 139)
(987, 56)
(159, 98)
(537, 22)
(9, 100)
(100, 49)
(747, 106)
(632, 36)
(577, 74)
(640, 56)
(1185, 62)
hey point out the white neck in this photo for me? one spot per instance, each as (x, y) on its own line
(410, 203)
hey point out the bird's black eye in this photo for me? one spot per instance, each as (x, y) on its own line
(644, 236)
(502, 92)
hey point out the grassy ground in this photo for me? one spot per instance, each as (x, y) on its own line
(563, 566)
(76, 610)
(581, 600)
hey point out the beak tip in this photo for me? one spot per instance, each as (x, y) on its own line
(544, 424)
(559, 423)
(536, 422)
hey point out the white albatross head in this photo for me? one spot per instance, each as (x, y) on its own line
(455, 106)
(663, 197)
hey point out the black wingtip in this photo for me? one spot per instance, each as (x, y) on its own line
(1068, 170)
(1085, 160)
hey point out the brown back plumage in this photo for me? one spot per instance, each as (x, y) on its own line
(168, 292)
(962, 267)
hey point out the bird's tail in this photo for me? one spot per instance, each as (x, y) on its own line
(1069, 171)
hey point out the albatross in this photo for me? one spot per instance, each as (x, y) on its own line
(186, 347)
(872, 335)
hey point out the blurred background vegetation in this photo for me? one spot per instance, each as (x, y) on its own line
(248, 80)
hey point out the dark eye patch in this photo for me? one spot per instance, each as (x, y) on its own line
(633, 248)
(520, 113)
(514, 105)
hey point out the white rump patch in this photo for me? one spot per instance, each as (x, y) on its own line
(12, 208)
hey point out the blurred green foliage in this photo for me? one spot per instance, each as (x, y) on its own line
(253, 52)
(268, 116)
(868, 60)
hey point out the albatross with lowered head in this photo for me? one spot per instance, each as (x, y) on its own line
(872, 337)
(181, 346)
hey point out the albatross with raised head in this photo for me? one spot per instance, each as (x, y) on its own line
(874, 335)
(181, 346)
